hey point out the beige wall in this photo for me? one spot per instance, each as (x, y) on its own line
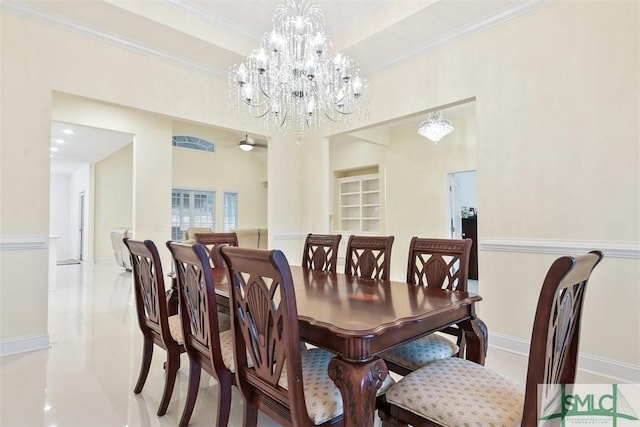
(557, 106)
(557, 101)
(113, 198)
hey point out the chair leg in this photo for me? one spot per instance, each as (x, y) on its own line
(224, 399)
(147, 354)
(389, 421)
(250, 415)
(192, 393)
(171, 372)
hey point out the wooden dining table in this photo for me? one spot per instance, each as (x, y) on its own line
(358, 319)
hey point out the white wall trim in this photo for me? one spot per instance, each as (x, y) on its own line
(17, 243)
(611, 249)
(619, 371)
(188, 6)
(289, 236)
(508, 13)
(32, 12)
(24, 344)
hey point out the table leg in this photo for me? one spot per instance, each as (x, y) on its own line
(358, 383)
(475, 336)
(172, 297)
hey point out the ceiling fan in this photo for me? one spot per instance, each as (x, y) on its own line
(248, 144)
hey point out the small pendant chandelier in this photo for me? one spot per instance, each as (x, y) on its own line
(435, 127)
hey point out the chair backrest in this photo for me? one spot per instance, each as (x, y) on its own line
(442, 263)
(265, 325)
(369, 257)
(190, 233)
(198, 308)
(321, 252)
(149, 291)
(212, 240)
(556, 331)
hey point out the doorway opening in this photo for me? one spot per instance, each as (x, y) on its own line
(463, 212)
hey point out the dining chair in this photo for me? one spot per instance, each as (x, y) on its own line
(290, 385)
(369, 257)
(157, 326)
(212, 240)
(321, 252)
(455, 391)
(441, 263)
(208, 348)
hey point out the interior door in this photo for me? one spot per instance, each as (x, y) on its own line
(81, 228)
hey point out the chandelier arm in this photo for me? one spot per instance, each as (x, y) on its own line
(329, 117)
(264, 92)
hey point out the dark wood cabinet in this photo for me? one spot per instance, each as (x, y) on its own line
(470, 231)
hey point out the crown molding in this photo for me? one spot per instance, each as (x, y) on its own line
(187, 6)
(611, 249)
(468, 30)
(195, 9)
(32, 12)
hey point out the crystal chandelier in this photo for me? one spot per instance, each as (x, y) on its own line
(292, 80)
(435, 127)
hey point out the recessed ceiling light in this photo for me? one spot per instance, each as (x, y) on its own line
(54, 149)
(68, 131)
(60, 141)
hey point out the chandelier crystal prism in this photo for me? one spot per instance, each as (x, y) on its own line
(293, 80)
(435, 127)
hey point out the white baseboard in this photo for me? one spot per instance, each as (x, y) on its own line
(23, 345)
(618, 371)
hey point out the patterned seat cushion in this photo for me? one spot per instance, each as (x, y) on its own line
(175, 328)
(226, 341)
(417, 353)
(457, 392)
(226, 348)
(322, 398)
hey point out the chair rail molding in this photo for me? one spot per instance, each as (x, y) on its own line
(620, 371)
(611, 249)
(24, 344)
(17, 243)
(289, 236)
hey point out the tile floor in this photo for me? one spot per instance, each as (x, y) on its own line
(87, 376)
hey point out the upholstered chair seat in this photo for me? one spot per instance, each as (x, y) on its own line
(154, 315)
(457, 392)
(433, 263)
(292, 386)
(322, 398)
(175, 328)
(417, 353)
(205, 340)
